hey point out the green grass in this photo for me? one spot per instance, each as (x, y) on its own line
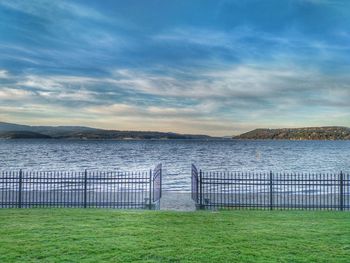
(78, 235)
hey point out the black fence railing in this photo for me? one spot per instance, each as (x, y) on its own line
(87, 189)
(229, 190)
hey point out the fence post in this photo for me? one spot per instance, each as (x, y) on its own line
(161, 182)
(150, 190)
(341, 191)
(200, 190)
(85, 188)
(20, 189)
(271, 192)
(197, 189)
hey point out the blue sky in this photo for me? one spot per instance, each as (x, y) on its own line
(216, 67)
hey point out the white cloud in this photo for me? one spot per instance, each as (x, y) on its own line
(38, 82)
(3, 74)
(201, 37)
(13, 94)
(47, 8)
(244, 80)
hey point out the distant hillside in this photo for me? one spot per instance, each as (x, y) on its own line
(17, 131)
(22, 135)
(311, 133)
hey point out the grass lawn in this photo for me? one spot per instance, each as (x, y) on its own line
(78, 235)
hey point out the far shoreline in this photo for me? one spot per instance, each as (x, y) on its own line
(171, 139)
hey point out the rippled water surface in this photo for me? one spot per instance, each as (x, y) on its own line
(176, 156)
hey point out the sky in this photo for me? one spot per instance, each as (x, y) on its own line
(215, 67)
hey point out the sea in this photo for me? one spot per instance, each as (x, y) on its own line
(176, 156)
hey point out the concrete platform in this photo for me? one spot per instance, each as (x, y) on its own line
(177, 201)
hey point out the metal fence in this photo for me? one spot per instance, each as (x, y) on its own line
(86, 189)
(157, 183)
(227, 190)
(194, 183)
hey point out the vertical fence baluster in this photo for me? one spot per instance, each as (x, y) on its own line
(238, 190)
(300, 186)
(218, 189)
(225, 189)
(150, 190)
(85, 188)
(200, 190)
(160, 182)
(40, 189)
(28, 199)
(113, 176)
(4, 180)
(310, 190)
(271, 192)
(20, 189)
(3, 190)
(341, 191)
(11, 186)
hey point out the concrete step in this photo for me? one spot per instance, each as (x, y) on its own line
(177, 201)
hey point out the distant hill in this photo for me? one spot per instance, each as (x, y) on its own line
(310, 133)
(23, 135)
(17, 131)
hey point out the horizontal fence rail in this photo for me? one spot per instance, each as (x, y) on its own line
(87, 189)
(228, 190)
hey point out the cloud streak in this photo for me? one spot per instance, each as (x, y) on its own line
(235, 97)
